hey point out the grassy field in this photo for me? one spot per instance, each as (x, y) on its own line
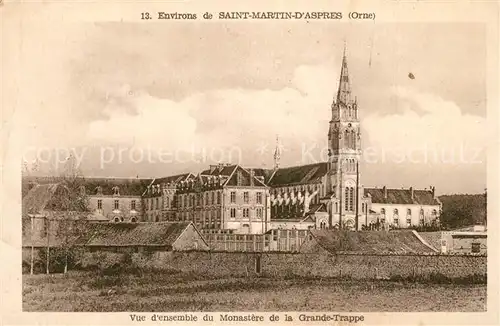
(85, 291)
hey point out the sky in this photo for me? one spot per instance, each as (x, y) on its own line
(151, 100)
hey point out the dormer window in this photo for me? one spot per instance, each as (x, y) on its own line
(98, 190)
(116, 191)
(82, 190)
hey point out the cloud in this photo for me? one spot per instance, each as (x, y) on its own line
(235, 117)
(427, 123)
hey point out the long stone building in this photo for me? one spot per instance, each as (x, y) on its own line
(236, 199)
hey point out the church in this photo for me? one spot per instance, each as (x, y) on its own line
(235, 199)
(338, 198)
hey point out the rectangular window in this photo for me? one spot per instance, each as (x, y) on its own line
(99, 204)
(233, 212)
(245, 212)
(132, 205)
(117, 204)
(157, 203)
(218, 197)
(245, 197)
(259, 198)
(206, 198)
(396, 222)
(476, 247)
(213, 198)
(233, 197)
(408, 221)
(259, 212)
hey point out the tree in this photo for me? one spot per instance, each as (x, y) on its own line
(463, 210)
(72, 206)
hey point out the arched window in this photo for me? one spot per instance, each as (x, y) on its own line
(336, 207)
(353, 139)
(382, 211)
(346, 138)
(421, 212)
(396, 211)
(408, 212)
(434, 212)
(167, 201)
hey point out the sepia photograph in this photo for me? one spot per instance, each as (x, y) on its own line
(253, 162)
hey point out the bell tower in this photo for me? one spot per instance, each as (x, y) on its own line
(344, 149)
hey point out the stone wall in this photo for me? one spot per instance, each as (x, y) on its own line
(225, 264)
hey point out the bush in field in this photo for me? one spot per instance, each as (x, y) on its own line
(439, 278)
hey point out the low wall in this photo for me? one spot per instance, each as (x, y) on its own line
(224, 264)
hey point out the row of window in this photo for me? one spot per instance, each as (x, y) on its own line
(157, 203)
(212, 215)
(408, 221)
(408, 212)
(200, 199)
(116, 204)
(259, 213)
(246, 197)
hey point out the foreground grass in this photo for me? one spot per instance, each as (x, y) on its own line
(83, 291)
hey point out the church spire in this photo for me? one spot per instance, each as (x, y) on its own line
(277, 154)
(344, 92)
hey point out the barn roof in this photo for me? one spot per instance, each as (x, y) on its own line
(135, 234)
(401, 196)
(311, 173)
(370, 242)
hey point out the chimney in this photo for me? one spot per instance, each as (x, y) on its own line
(252, 176)
(385, 192)
(433, 192)
(412, 193)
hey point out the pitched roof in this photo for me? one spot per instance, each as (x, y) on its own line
(432, 238)
(38, 198)
(172, 179)
(372, 242)
(401, 196)
(242, 177)
(320, 207)
(127, 186)
(266, 174)
(311, 173)
(220, 169)
(135, 234)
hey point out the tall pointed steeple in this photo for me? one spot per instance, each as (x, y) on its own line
(277, 154)
(344, 92)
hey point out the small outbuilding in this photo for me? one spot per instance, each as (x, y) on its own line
(147, 236)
